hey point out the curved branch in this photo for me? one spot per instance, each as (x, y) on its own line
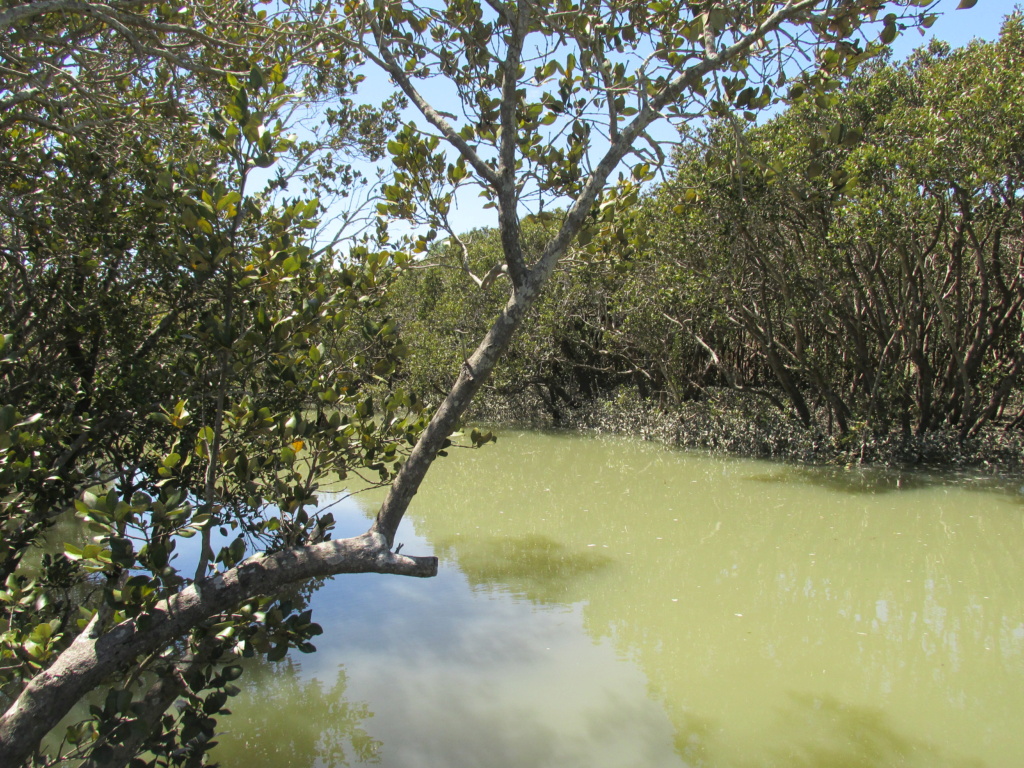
(387, 62)
(478, 367)
(98, 653)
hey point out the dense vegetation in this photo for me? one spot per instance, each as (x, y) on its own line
(191, 341)
(856, 265)
(182, 351)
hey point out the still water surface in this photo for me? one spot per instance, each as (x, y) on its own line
(607, 602)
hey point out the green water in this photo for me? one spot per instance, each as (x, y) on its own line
(605, 602)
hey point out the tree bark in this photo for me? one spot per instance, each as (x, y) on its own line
(99, 652)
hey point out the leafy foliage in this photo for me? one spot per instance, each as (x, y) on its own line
(183, 354)
(864, 252)
(183, 357)
(561, 359)
(855, 261)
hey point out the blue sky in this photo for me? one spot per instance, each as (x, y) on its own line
(959, 27)
(955, 26)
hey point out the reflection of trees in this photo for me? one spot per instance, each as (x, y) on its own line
(534, 566)
(282, 719)
(732, 584)
(872, 481)
(855, 737)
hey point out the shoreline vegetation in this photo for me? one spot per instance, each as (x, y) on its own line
(728, 423)
(209, 304)
(840, 284)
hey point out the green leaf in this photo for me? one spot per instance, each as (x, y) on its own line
(157, 554)
(364, 410)
(256, 78)
(232, 672)
(229, 199)
(852, 137)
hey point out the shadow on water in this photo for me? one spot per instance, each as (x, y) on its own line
(691, 738)
(534, 566)
(282, 719)
(845, 736)
(613, 604)
(877, 480)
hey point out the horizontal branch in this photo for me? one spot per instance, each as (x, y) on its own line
(97, 653)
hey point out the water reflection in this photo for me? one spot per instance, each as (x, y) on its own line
(533, 565)
(285, 719)
(739, 597)
(845, 736)
(613, 603)
(875, 480)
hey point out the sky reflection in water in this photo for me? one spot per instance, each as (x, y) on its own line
(604, 602)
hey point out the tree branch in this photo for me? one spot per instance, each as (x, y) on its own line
(387, 62)
(508, 194)
(95, 655)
